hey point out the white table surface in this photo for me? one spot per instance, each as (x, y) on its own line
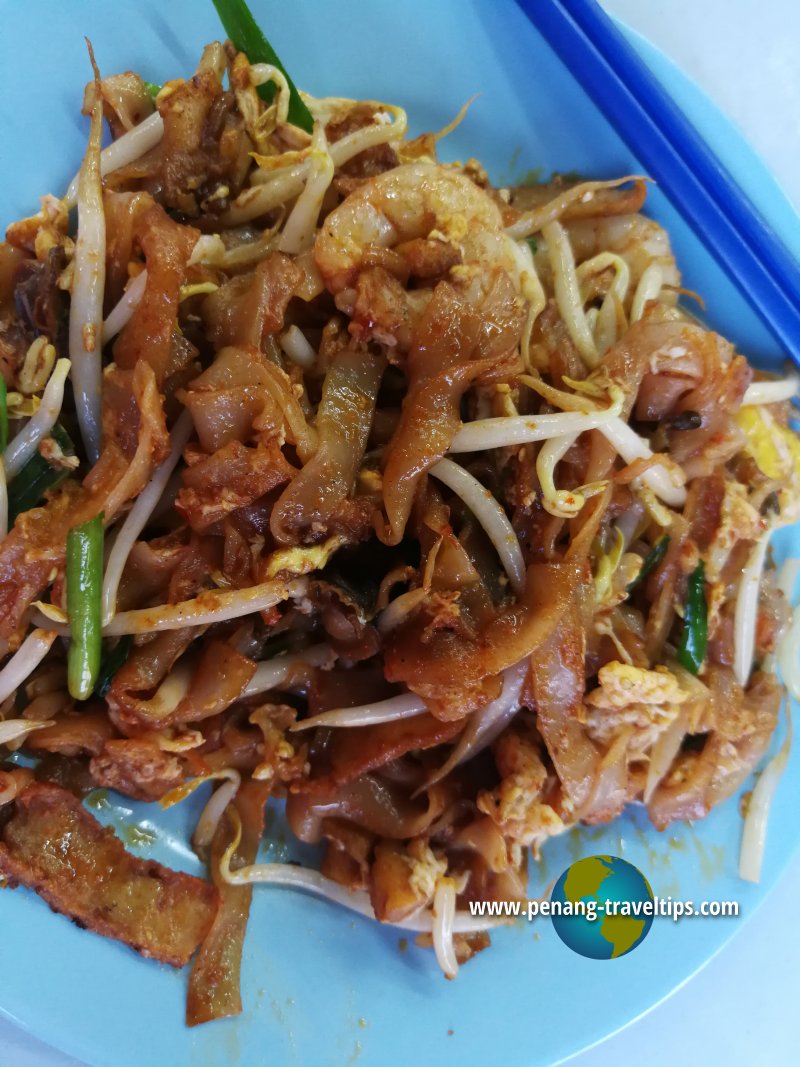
(742, 1009)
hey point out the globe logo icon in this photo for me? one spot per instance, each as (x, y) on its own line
(602, 907)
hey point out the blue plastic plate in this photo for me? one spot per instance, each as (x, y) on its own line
(321, 987)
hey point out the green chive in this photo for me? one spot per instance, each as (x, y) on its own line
(651, 561)
(243, 30)
(694, 639)
(111, 664)
(533, 244)
(84, 588)
(37, 476)
(152, 90)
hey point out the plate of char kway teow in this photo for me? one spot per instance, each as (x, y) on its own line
(397, 505)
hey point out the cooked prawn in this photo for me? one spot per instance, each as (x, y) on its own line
(640, 241)
(413, 201)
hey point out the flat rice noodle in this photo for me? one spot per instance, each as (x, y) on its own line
(219, 679)
(610, 792)
(51, 844)
(516, 631)
(204, 143)
(123, 212)
(454, 346)
(71, 735)
(348, 853)
(233, 477)
(186, 113)
(558, 680)
(36, 546)
(148, 335)
(629, 359)
(136, 767)
(318, 501)
(704, 508)
(659, 395)
(699, 780)
(717, 398)
(149, 569)
(347, 687)
(371, 802)
(394, 893)
(214, 985)
(350, 753)
(195, 569)
(242, 393)
(130, 697)
(252, 306)
(237, 557)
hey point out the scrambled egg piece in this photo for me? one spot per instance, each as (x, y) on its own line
(301, 559)
(279, 758)
(633, 698)
(426, 868)
(621, 685)
(776, 450)
(47, 229)
(516, 806)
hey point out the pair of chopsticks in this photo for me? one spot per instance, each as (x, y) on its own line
(673, 152)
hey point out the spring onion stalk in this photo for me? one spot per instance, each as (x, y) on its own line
(126, 149)
(694, 639)
(111, 664)
(37, 476)
(405, 706)
(772, 392)
(242, 29)
(24, 446)
(88, 285)
(489, 514)
(651, 561)
(138, 516)
(25, 660)
(125, 307)
(84, 581)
